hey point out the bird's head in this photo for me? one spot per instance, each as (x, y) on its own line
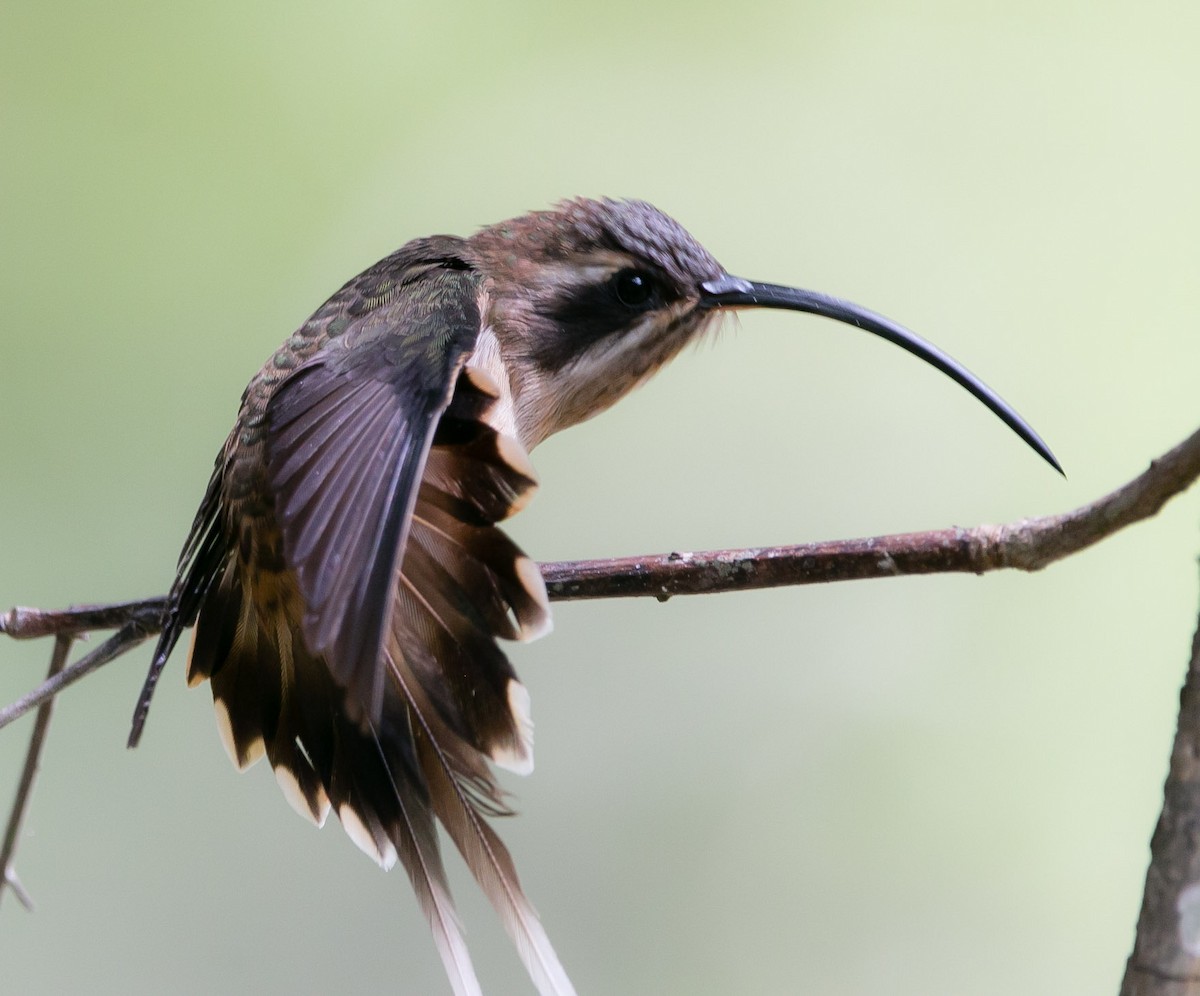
(589, 299)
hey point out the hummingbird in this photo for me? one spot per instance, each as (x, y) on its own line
(346, 574)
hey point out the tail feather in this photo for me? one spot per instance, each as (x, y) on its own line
(492, 866)
(415, 840)
(246, 695)
(485, 854)
(295, 769)
(461, 587)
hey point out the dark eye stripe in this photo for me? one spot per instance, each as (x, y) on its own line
(582, 315)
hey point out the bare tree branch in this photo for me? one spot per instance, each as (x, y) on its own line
(29, 624)
(1028, 545)
(20, 806)
(1166, 951)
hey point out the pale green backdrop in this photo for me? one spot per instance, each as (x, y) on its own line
(920, 786)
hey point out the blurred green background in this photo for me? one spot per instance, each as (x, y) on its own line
(936, 785)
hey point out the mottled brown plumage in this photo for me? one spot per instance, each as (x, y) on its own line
(346, 574)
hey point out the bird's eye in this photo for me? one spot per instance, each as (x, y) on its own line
(634, 288)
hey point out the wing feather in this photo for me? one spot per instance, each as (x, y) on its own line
(348, 435)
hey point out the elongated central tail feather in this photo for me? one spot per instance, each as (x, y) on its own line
(452, 776)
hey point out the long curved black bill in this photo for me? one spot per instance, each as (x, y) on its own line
(734, 292)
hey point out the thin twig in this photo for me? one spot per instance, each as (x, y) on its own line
(29, 624)
(125, 639)
(20, 806)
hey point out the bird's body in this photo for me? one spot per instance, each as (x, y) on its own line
(346, 574)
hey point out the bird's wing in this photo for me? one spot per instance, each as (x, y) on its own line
(370, 487)
(348, 435)
(388, 477)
